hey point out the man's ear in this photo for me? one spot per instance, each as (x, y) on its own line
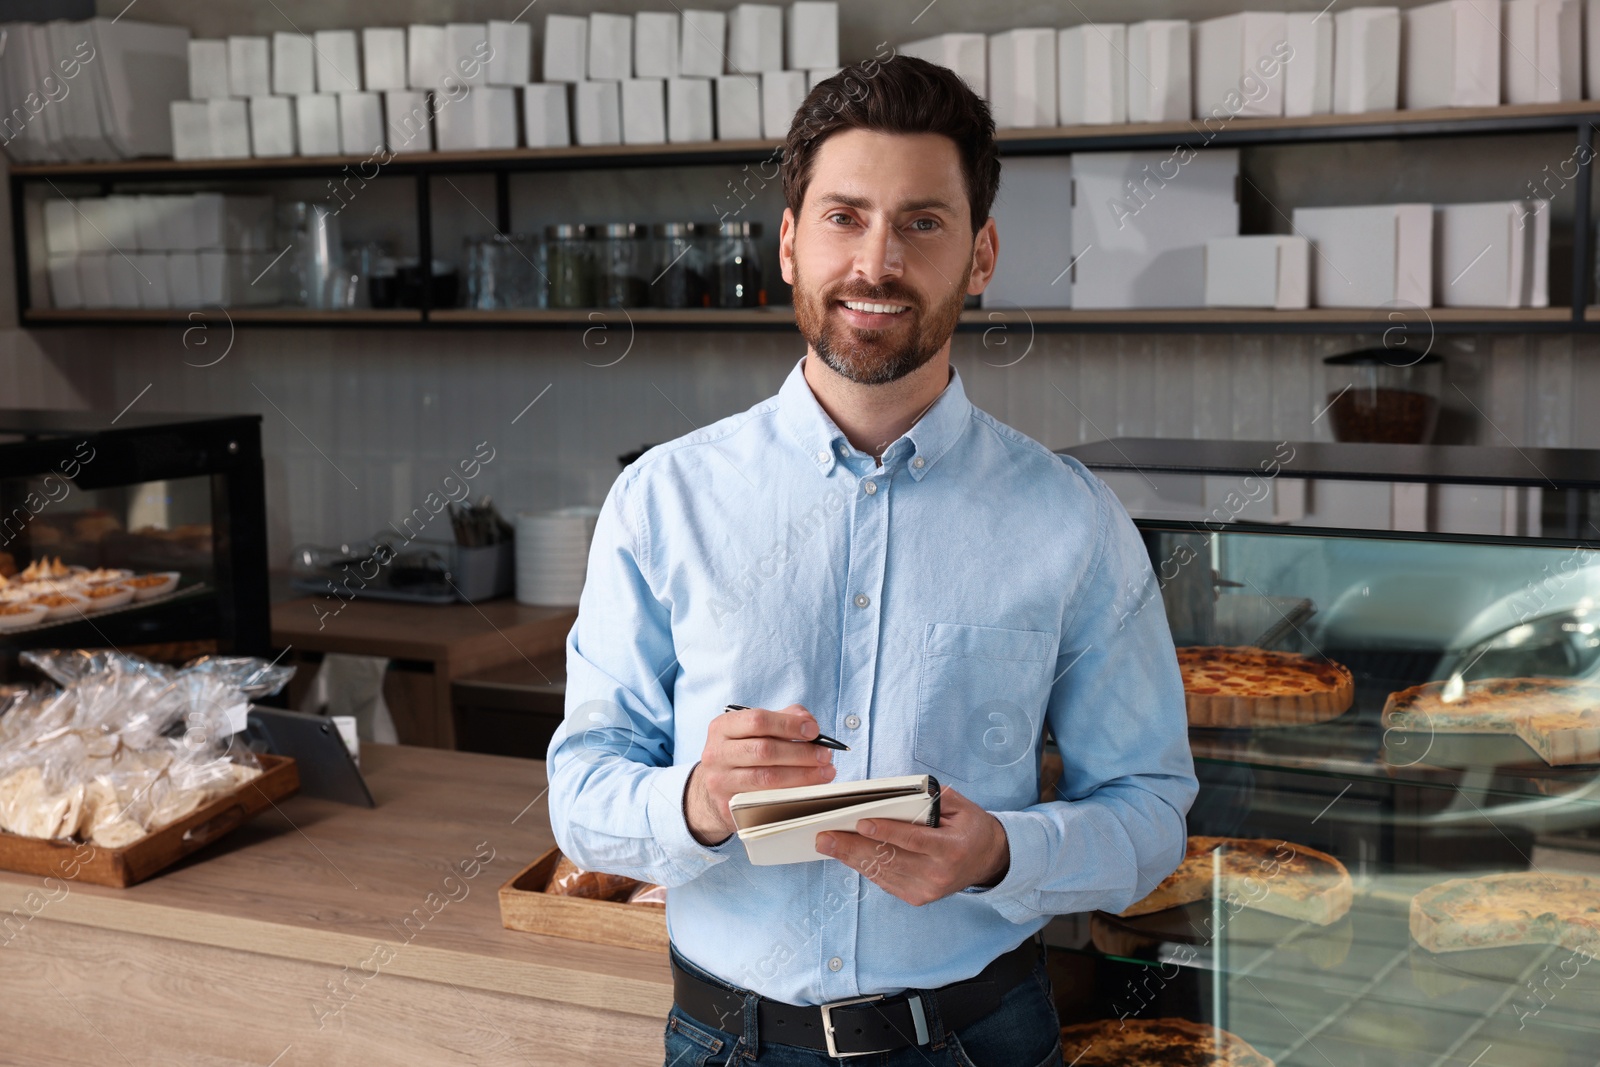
(985, 252)
(786, 246)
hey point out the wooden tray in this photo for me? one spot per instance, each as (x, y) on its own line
(524, 905)
(122, 867)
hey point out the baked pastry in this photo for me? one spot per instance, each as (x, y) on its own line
(1156, 1043)
(570, 880)
(1277, 877)
(1520, 908)
(650, 895)
(1559, 718)
(1242, 686)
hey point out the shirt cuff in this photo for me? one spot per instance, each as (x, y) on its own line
(1012, 897)
(668, 825)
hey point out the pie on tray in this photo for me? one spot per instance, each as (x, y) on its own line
(1244, 686)
(1155, 1043)
(1277, 877)
(1497, 910)
(1559, 718)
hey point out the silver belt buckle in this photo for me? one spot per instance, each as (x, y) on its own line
(827, 1025)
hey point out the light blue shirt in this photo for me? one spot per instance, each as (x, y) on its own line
(933, 612)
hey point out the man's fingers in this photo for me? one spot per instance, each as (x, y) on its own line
(793, 723)
(771, 752)
(748, 779)
(909, 836)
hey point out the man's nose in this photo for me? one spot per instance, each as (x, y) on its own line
(882, 253)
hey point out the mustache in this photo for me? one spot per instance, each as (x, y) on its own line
(877, 294)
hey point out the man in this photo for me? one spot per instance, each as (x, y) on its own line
(868, 555)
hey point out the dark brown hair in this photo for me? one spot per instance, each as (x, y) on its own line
(901, 94)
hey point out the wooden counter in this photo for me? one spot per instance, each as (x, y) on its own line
(323, 934)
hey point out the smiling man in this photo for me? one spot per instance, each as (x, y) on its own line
(869, 555)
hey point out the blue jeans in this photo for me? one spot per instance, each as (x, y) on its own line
(1022, 1032)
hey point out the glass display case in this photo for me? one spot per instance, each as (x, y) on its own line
(1460, 587)
(144, 533)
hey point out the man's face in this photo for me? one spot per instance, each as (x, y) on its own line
(882, 254)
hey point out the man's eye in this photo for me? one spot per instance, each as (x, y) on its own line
(839, 217)
(925, 225)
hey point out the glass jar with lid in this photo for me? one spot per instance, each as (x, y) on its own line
(623, 280)
(736, 267)
(569, 265)
(1383, 396)
(678, 277)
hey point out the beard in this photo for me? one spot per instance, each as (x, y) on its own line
(876, 357)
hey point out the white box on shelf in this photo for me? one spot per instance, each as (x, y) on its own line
(94, 225)
(124, 282)
(965, 53)
(338, 61)
(1366, 60)
(293, 64)
(1239, 63)
(361, 124)
(689, 116)
(1022, 78)
(249, 66)
(1033, 217)
(94, 279)
(316, 120)
(1160, 49)
(208, 69)
(738, 108)
(510, 52)
(147, 223)
(545, 111)
(183, 279)
(1536, 253)
(60, 227)
(118, 216)
(610, 47)
(655, 44)
(1452, 54)
(174, 217)
(1478, 254)
(486, 118)
(383, 58)
(1369, 256)
(224, 221)
(1543, 51)
(782, 93)
(813, 39)
(702, 43)
(815, 77)
(598, 106)
(1258, 271)
(1308, 74)
(755, 38)
(272, 126)
(230, 128)
(155, 291)
(1092, 74)
(1139, 225)
(566, 48)
(467, 47)
(644, 111)
(216, 279)
(407, 121)
(427, 56)
(66, 291)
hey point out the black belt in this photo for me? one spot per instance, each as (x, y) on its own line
(859, 1025)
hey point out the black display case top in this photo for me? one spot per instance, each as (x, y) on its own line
(35, 423)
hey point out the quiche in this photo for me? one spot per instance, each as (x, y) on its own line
(1156, 1043)
(1227, 686)
(1277, 877)
(1521, 908)
(1559, 718)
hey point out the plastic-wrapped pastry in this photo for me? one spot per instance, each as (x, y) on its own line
(570, 880)
(650, 895)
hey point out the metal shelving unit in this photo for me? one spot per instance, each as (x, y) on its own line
(1578, 117)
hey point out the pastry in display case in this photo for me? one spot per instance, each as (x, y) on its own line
(1391, 662)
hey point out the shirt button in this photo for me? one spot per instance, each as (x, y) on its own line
(871, 487)
(822, 457)
(835, 963)
(919, 463)
(852, 721)
(862, 600)
(844, 450)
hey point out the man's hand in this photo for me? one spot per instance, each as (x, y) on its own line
(921, 864)
(751, 749)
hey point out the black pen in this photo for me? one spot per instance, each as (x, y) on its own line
(821, 739)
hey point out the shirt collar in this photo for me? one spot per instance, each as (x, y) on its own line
(920, 447)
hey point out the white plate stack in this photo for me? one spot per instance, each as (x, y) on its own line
(552, 554)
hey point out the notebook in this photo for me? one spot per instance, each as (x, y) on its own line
(781, 825)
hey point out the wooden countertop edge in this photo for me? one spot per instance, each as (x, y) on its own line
(630, 996)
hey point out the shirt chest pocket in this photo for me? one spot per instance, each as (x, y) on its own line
(981, 694)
